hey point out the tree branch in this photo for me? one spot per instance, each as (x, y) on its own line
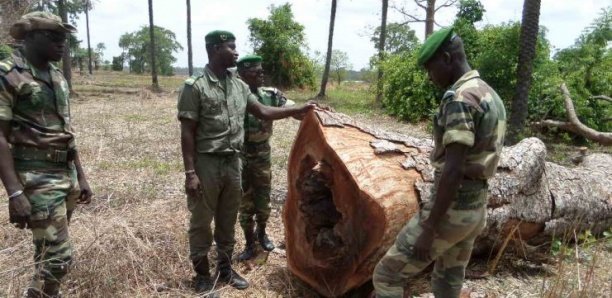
(602, 97)
(448, 3)
(411, 18)
(418, 2)
(574, 125)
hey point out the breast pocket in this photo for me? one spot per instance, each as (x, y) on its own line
(213, 115)
(31, 95)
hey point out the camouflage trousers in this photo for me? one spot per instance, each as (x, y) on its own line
(256, 184)
(52, 194)
(451, 247)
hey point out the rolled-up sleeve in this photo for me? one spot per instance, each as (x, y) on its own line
(6, 103)
(458, 124)
(189, 103)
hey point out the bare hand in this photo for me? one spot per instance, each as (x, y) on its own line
(86, 193)
(193, 188)
(20, 211)
(422, 246)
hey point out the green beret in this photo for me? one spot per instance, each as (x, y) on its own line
(219, 36)
(39, 21)
(249, 61)
(432, 44)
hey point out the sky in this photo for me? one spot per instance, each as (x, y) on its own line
(355, 20)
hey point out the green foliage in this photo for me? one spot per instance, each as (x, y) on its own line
(339, 65)
(117, 64)
(137, 52)
(408, 93)
(470, 11)
(5, 51)
(399, 38)
(280, 41)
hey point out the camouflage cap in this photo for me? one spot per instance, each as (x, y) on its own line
(248, 61)
(432, 44)
(219, 36)
(39, 21)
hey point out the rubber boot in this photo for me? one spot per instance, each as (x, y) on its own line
(249, 250)
(226, 274)
(262, 237)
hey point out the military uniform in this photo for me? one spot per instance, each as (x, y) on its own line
(42, 144)
(219, 108)
(256, 175)
(472, 114)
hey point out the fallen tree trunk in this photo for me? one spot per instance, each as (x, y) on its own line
(352, 188)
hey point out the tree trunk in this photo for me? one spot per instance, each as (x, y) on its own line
(527, 50)
(352, 188)
(155, 83)
(332, 20)
(89, 65)
(381, 51)
(66, 60)
(430, 13)
(189, 48)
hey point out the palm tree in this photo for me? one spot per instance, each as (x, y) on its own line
(332, 20)
(66, 61)
(155, 83)
(189, 49)
(87, 7)
(381, 50)
(527, 50)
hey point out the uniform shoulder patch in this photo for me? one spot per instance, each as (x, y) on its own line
(190, 81)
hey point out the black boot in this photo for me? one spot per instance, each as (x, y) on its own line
(226, 274)
(265, 243)
(202, 283)
(52, 289)
(249, 251)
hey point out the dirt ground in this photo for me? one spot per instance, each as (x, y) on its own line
(132, 241)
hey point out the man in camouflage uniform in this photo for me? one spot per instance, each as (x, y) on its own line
(469, 130)
(211, 109)
(256, 174)
(39, 163)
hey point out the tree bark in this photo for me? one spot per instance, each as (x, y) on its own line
(189, 48)
(66, 59)
(430, 13)
(330, 39)
(352, 188)
(154, 82)
(381, 51)
(527, 50)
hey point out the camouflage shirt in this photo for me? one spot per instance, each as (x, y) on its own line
(219, 107)
(258, 130)
(39, 111)
(471, 113)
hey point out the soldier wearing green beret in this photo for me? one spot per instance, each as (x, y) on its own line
(211, 109)
(469, 130)
(41, 170)
(256, 175)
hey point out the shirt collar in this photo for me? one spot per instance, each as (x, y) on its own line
(464, 78)
(211, 75)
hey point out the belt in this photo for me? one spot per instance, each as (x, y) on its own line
(49, 155)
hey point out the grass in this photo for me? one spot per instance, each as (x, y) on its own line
(132, 241)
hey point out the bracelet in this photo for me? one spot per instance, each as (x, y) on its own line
(16, 194)
(189, 172)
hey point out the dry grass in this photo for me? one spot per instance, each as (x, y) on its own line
(132, 241)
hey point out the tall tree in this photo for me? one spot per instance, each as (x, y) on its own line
(66, 61)
(89, 65)
(155, 83)
(189, 49)
(339, 65)
(381, 50)
(527, 51)
(430, 8)
(332, 20)
(137, 50)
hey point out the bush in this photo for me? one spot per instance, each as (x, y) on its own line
(5, 51)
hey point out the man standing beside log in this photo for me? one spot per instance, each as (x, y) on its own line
(256, 175)
(211, 108)
(469, 130)
(41, 170)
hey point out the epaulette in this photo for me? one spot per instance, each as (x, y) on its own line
(448, 95)
(191, 80)
(6, 65)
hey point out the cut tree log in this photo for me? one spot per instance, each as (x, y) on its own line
(352, 188)
(574, 125)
